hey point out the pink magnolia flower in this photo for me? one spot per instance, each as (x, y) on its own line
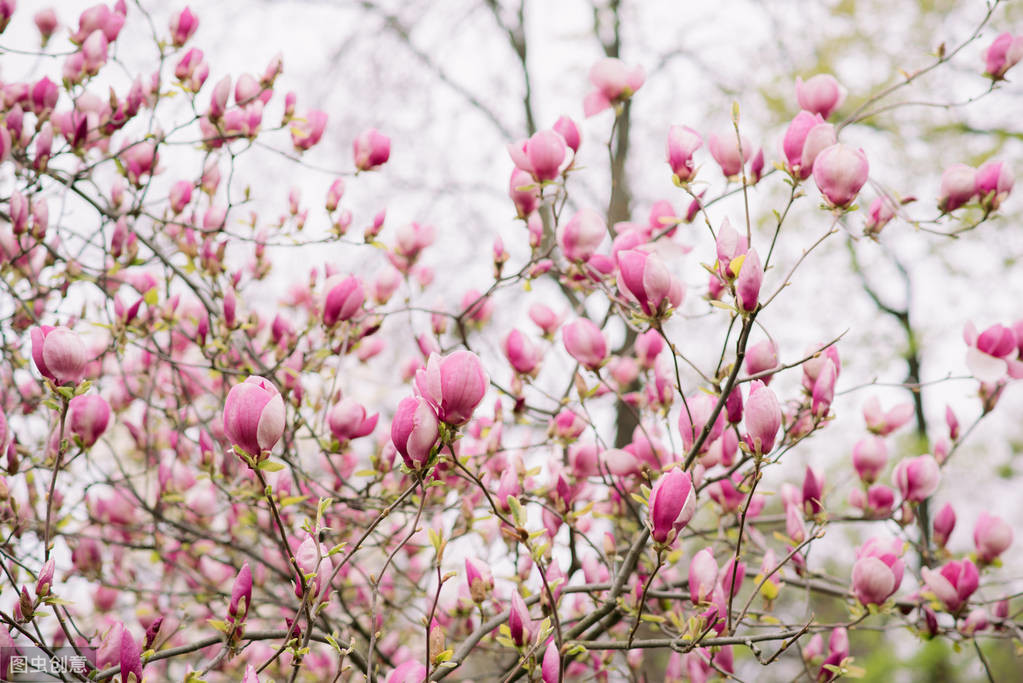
(550, 667)
(725, 150)
(88, 417)
(994, 181)
(524, 192)
(993, 353)
(546, 319)
(917, 478)
(613, 82)
(414, 431)
(342, 299)
(371, 149)
(254, 416)
(824, 390)
(347, 420)
(643, 278)
(59, 354)
(580, 236)
(585, 343)
(566, 128)
(130, 658)
(703, 572)
(44, 96)
(241, 595)
(182, 26)
(805, 138)
(840, 171)
(869, 456)
(541, 156)
(761, 357)
(693, 419)
(452, 385)
(882, 422)
(139, 159)
(46, 21)
(763, 418)
(683, 141)
(821, 94)
(647, 347)
(519, 622)
(1003, 53)
(672, 504)
(958, 187)
(879, 214)
(878, 571)
(523, 355)
(730, 245)
(307, 132)
(944, 524)
(992, 536)
(953, 584)
(747, 284)
(409, 671)
(813, 491)
(479, 578)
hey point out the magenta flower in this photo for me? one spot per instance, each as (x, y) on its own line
(519, 622)
(992, 536)
(994, 181)
(479, 579)
(585, 343)
(130, 658)
(414, 431)
(840, 171)
(821, 94)
(643, 278)
(884, 423)
(953, 584)
(944, 523)
(59, 354)
(342, 299)
(347, 420)
(523, 355)
(452, 385)
(672, 504)
(613, 82)
(88, 417)
(693, 419)
(254, 416)
(703, 573)
(371, 149)
(869, 456)
(1003, 53)
(747, 284)
(307, 132)
(683, 141)
(182, 26)
(541, 155)
(917, 478)
(958, 187)
(725, 150)
(580, 236)
(993, 353)
(241, 595)
(524, 192)
(763, 418)
(566, 128)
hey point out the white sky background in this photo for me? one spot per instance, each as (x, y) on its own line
(449, 167)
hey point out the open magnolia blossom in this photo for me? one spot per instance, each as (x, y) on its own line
(514, 402)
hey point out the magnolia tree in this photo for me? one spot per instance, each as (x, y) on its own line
(219, 469)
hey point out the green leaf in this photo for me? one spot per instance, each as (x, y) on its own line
(270, 466)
